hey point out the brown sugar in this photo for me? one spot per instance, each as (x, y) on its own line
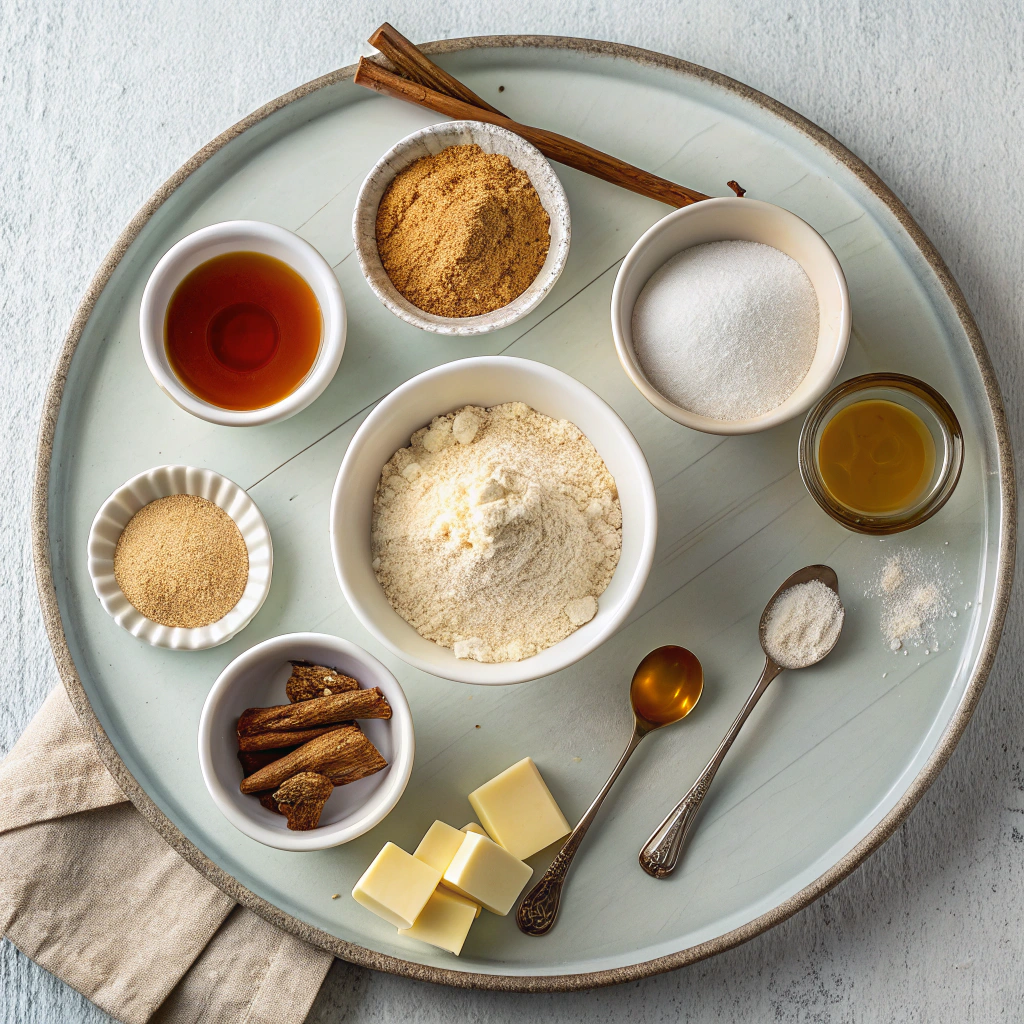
(182, 561)
(462, 232)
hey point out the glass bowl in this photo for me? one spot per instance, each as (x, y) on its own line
(912, 394)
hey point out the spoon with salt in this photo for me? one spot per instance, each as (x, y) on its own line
(799, 626)
(665, 688)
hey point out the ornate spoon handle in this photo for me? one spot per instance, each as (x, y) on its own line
(539, 907)
(660, 853)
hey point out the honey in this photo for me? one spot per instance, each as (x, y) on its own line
(242, 330)
(664, 689)
(876, 457)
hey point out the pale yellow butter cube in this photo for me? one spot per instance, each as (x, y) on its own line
(486, 874)
(396, 886)
(518, 810)
(439, 845)
(444, 921)
(474, 827)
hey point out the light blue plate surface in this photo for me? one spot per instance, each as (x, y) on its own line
(829, 753)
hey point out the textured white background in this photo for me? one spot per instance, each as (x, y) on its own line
(100, 101)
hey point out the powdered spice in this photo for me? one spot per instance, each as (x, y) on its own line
(182, 561)
(462, 232)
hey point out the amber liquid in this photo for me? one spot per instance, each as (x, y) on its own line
(666, 684)
(242, 330)
(876, 457)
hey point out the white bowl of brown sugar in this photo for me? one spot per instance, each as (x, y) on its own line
(180, 557)
(461, 228)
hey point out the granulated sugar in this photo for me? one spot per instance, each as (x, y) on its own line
(914, 589)
(803, 625)
(727, 329)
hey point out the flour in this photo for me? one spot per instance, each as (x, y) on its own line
(496, 531)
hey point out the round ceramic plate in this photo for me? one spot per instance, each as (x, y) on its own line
(832, 759)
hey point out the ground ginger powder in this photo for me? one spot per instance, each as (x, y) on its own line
(462, 232)
(182, 561)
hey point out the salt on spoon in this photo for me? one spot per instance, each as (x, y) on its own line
(799, 626)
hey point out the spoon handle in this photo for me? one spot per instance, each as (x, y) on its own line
(660, 853)
(539, 907)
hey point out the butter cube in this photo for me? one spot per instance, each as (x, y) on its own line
(444, 921)
(518, 810)
(396, 886)
(439, 845)
(473, 827)
(486, 874)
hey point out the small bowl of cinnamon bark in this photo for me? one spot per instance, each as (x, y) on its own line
(306, 742)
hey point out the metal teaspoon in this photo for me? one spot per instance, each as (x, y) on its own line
(660, 853)
(666, 685)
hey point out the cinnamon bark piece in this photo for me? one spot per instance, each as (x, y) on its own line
(301, 799)
(276, 740)
(339, 753)
(308, 681)
(307, 714)
(253, 761)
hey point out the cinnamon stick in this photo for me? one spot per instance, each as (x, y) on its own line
(417, 66)
(260, 741)
(253, 760)
(336, 707)
(340, 754)
(555, 147)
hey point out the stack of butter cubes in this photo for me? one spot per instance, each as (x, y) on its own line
(436, 893)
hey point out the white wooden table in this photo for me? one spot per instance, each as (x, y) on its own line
(100, 102)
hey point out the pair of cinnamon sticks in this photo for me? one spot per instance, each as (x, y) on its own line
(422, 82)
(293, 755)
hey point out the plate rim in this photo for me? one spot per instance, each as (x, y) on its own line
(501, 982)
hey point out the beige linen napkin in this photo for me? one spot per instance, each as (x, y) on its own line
(93, 894)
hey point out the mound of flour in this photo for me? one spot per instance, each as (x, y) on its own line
(496, 531)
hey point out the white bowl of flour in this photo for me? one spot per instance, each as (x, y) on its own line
(731, 316)
(486, 382)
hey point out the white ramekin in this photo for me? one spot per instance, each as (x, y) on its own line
(716, 220)
(162, 482)
(257, 679)
(243, 236)
(431, 140)
(487, 381)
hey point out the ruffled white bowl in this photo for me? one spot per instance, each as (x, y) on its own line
(162, 482)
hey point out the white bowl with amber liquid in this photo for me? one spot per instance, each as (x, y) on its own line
(243, 236)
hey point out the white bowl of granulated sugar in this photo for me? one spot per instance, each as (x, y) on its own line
(509, 589)
(731, 316)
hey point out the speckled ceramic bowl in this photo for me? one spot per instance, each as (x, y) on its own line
(433, 139)
(162, 482)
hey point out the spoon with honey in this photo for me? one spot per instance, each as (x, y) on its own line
(666, 686)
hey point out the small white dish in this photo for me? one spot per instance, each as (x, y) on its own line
(487, 381)
(257, 679)
(162, 482)
(715, 220)
(432, 140)
(243, 236)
